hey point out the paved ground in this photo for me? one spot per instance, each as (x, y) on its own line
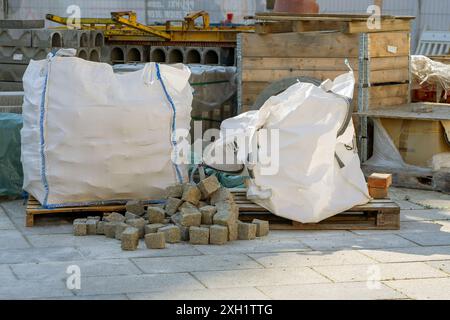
(413, 263)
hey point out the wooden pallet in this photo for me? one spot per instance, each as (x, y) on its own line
(376, 215)
(34, 208)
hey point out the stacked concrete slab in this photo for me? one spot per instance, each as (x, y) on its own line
(22, 41)
(192, 55)
(11, 102)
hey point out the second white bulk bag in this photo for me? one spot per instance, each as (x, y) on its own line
(314, 173)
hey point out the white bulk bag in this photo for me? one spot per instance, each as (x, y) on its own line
(92, 136)
(319, 173)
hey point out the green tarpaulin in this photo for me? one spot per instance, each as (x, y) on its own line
(11, 175)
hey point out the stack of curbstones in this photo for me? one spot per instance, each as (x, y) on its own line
(200, 214)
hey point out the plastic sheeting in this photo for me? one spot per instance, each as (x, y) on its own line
(92, 136)
(415, 145)
(11, 175)
(317, 173)
(212, 85)
(425, 70)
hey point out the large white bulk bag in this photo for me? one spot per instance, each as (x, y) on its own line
(318, 174)
(92, 136)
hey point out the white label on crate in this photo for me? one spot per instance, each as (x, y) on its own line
(17, 57)
(392, 49)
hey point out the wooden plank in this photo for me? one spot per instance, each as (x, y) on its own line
(269, 75)
(389, 63)
(329, 64)
(386, 102)
(304, 45)
(389, 44)
(345, 26)
(324, 16)
(320, 25)
(388, 91)
(440, 112)
(386, 26)
(274, 27)
(389, 76)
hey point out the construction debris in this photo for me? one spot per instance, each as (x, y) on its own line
(199, 214)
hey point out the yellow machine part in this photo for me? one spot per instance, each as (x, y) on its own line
(123, 26)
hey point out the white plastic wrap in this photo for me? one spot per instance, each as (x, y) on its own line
(93, 136)
(425, 70)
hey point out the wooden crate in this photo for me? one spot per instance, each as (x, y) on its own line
(376, 215)
(287, 46)
(284, 47)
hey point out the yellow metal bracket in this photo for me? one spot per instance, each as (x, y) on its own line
(191, 17)
(131, 21)
(85, 23)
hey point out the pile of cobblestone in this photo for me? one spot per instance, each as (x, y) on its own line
(201, 214)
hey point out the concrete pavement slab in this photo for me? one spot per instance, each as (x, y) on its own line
(331, 291)
(5, 222)
(206, 294)
(69, 240)
(26, 289)
(12, 239)
(6, 273)
(299, 234)
(424, 215)
(196, 263)
(409, 254)
(15, 208)
(311, 258)
(139, 283)
(36, 255)
(429, 238)
(378, 272)
(440, 265)
(88, 268)
(113, 251)
(253, 246)
(357, 242)
(411, 227)
(113, 297)
(263, 277)
(434, 289)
